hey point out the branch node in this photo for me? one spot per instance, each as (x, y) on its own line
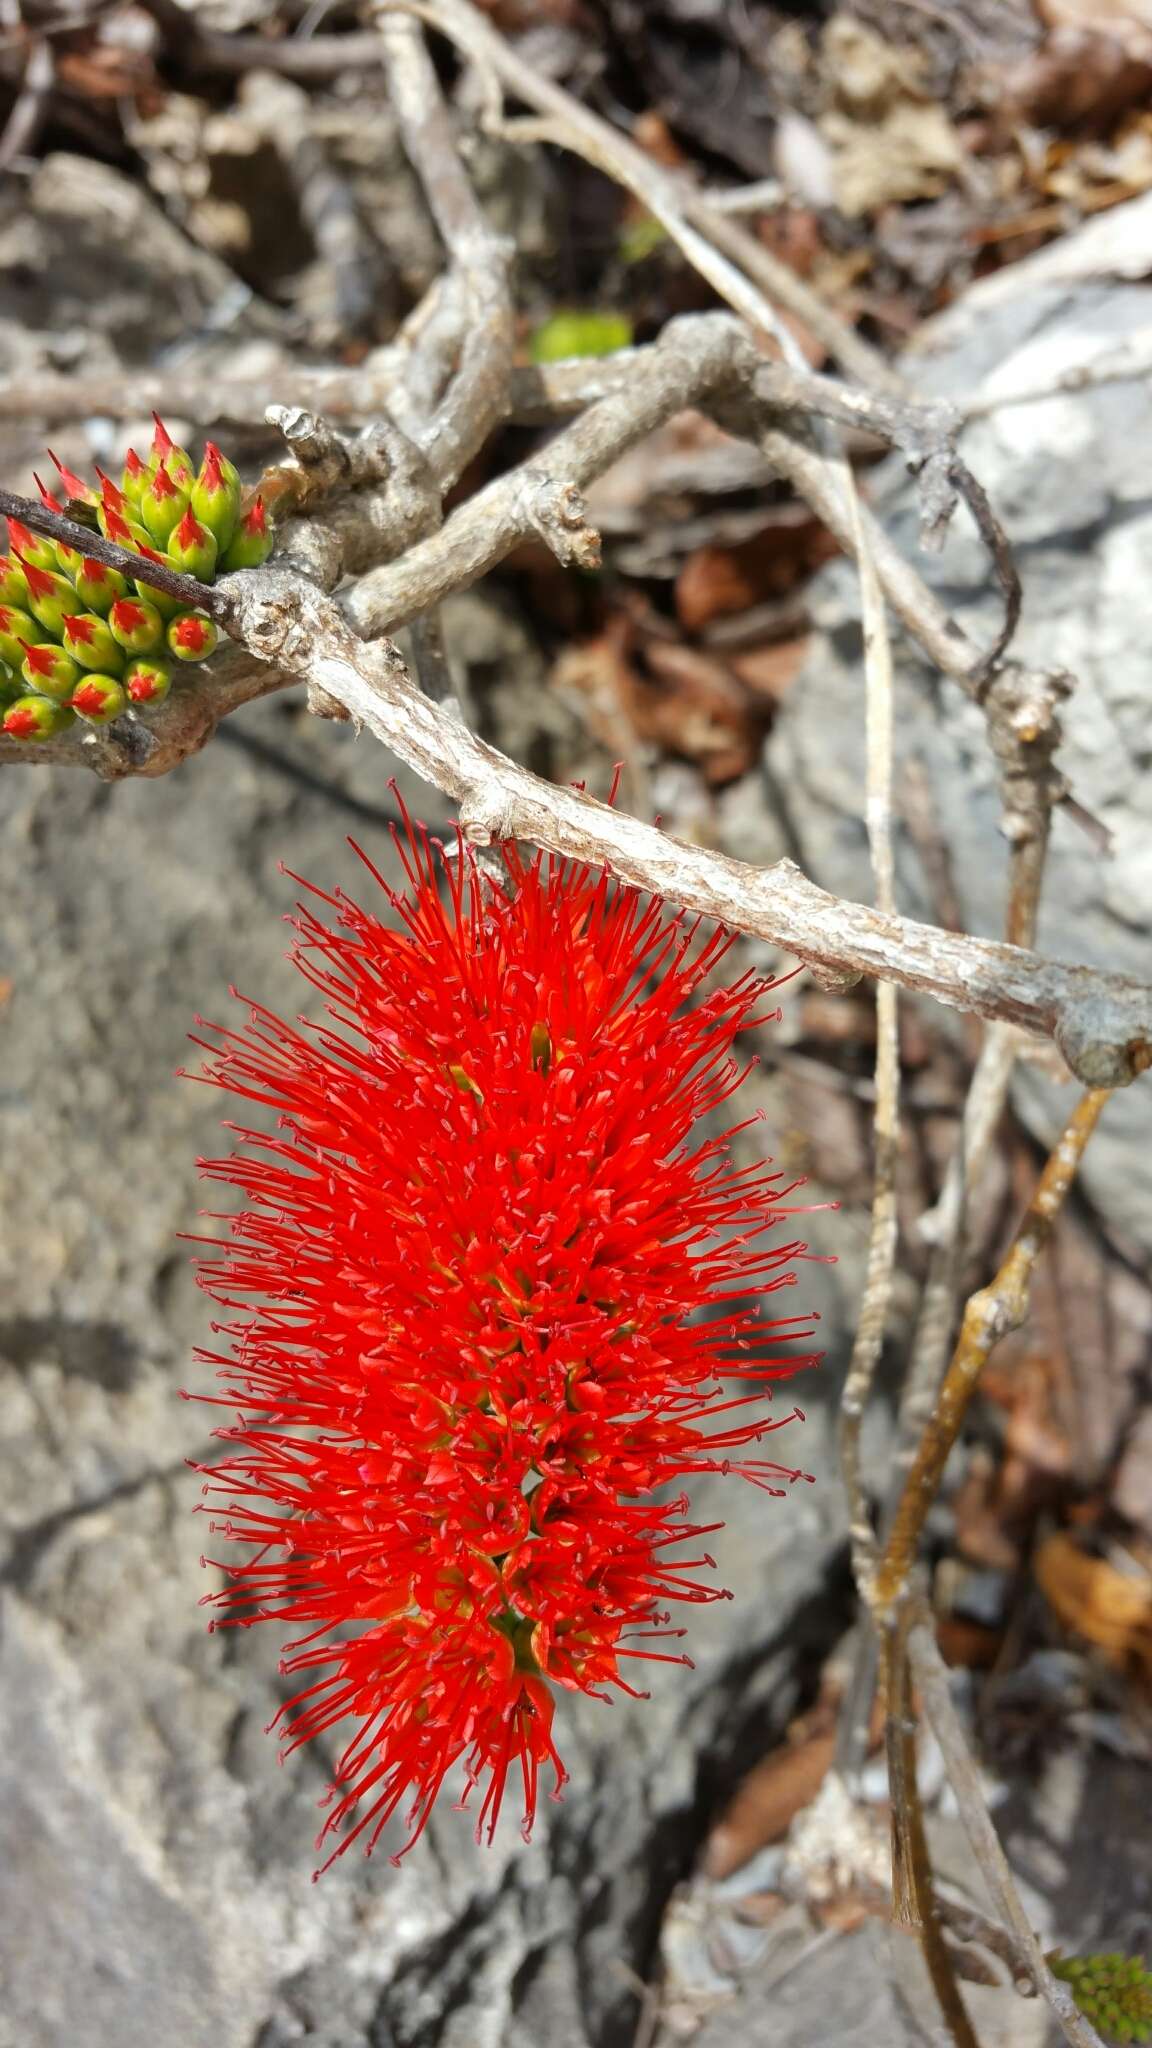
(554, 508)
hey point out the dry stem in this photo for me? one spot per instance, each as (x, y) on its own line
(873, 1315)
(931, 1678)
(913, 1900)
(990, 1314)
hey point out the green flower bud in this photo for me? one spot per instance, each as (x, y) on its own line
(99, 699)
(17, 629)
(192, 637)
(216, 495)
(251, 544)
(136, 625)
(13, 582)
(133, 480)
(98, 587)
(192, 548)
(162, 506)
(166, 606)
(67, 559)
(49, 597)
(88, 640)
(10, 685)
(147, 683)
(36, 718)
(166, 455)
(114, 525)
(78, 491)
(49, 670)
(29, 546)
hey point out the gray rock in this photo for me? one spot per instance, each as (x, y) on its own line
(1069, 479)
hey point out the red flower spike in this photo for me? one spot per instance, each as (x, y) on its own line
(485, 1327)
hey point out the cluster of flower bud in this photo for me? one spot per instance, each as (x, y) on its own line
(79, 639)
(1114, 1991)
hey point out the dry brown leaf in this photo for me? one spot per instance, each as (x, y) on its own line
(1079, 79)
(968, 1644)
(981, 1537)
(1092, 1597)
(1128, 21)
(694, 705)
(677, 697)
(890, 139)
(651, 133)
(716, 581)
(768, 671)
(767, 1802)
(107, 74)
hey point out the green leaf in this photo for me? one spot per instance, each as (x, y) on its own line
(575, 333)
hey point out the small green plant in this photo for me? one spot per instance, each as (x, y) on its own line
(576, 333)
(1114, 1991)
(79, 639)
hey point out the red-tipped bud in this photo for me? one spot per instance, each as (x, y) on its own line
(252, 541)
(134, 478)
(125, 532)
(98, 587)
(49, 596)
(99, 699)
(88, 641)
(67, 559)
(13, 582)
(111, 495)
(216, 494)
(147, 682)
(192, 637)
(31, 547)
(49, 670)
(73, 484)
(46, 496)
(36, 718)
(162, 506)
(192, 548)
(165, 605)
(167, 455)
(136, 625)
(17, 629)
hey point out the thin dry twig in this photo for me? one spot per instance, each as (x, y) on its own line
(686, 215)
(990, 1315)
(30, 105)
(931, 1678)
(1102, 1022)
(1128, 363)
(477, 397)
(914, 1905)
(873, 1315)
